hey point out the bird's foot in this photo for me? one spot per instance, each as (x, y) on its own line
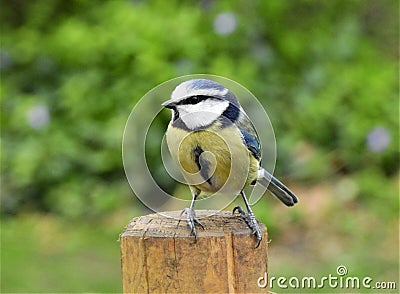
(192, 220)
(251, 221)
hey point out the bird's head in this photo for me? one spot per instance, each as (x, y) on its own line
(200, 102)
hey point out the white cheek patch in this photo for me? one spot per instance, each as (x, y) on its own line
(202, 114)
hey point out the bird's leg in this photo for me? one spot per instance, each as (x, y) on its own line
(250, 219)
(191, 218)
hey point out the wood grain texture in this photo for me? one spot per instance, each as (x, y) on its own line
(160, 256)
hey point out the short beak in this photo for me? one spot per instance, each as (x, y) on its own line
(168, 104)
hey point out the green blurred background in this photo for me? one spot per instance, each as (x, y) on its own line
(71, 71)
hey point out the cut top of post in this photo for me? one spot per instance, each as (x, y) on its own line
(173, 224)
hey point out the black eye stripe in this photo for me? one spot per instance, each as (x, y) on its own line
(194, 99)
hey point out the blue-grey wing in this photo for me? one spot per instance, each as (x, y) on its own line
(249, 135)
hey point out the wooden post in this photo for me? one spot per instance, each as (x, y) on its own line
(160, 255)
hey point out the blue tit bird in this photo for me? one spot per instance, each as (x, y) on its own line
(217, 148)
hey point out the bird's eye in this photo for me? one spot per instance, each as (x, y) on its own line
(194, 99)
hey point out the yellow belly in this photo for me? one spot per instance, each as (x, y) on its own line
(229, 166)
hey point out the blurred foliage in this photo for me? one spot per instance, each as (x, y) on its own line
(326, 71)
(325, 74)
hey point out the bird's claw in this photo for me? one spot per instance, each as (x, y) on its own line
(192, 220)
(251, 221)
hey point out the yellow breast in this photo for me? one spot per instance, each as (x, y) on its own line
(213, 160)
